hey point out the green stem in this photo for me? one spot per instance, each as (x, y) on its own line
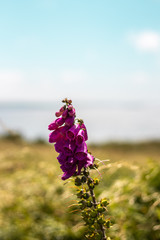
(95, 205)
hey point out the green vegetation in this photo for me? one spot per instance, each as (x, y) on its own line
(35, 204)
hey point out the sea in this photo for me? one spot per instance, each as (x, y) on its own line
(105, 120)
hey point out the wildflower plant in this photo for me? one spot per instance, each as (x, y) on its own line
(69, 136)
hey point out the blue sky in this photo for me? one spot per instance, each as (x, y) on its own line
(107, 50)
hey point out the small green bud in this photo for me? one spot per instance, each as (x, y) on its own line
(101, 220)
(77, 181)
(80, 193)
(91, 185)
(107, 224)
(90, 221)
(86, 195)
(104, 202)
(93, 214)
(85, 173)
(82, 204)
(91, 229)
(94, 166)
(89, 204)
(98, 236)
(101, 209)
(83, 179)
(90, 180)
(96, 181)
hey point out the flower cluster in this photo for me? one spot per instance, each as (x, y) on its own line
(70, 139)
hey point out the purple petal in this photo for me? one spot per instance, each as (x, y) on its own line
(54, 136)
(65, 113)
(52, 126)
(80, 166)
(88, 160)
(63, 131)
(72, 132)
(62, 158)
(81, 151)
(70, 107)
(62, 109)
(57, 134)
(59, 145)
(58, 114)
(85, 132)
(69, 148)
(69, 121)
(72, 112)
(69, 173)
(80, 137)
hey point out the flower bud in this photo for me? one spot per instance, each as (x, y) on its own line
(100, 209)
(58, 114)
(96, 181)
(52, 126)
(89, 204)
(65, 113)
(86, 195)
(93, 214)
(70, 107)
(78, 181)
(101, 220)
(72, 112)
(104, 202)
(83, 179)
(60, 121)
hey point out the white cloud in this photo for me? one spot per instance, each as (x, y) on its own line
(148, 41)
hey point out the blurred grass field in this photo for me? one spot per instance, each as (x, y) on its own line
(35, 202)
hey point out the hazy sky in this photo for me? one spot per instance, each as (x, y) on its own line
(50, 49)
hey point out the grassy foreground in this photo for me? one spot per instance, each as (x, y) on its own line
(35, 204)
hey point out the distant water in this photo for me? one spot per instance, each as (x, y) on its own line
(104, 121)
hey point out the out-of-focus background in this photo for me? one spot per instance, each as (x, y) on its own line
(105, 56)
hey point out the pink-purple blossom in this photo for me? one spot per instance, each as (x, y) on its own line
(69, 138)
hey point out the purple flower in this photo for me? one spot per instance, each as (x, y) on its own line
(81, 151)
(69, 173)
(57, 134)
(80, 137)
(69, 138)
(69, 121)
(59, 113)
(69, 148)
(71, 111)
(55, 124)
(72, 132)
(85, 131)
(65, 113)
(86, 162)
(69, 168)
(59, 145)
(54, 136)
(52, 126)
(60, 121)
(62, 158)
